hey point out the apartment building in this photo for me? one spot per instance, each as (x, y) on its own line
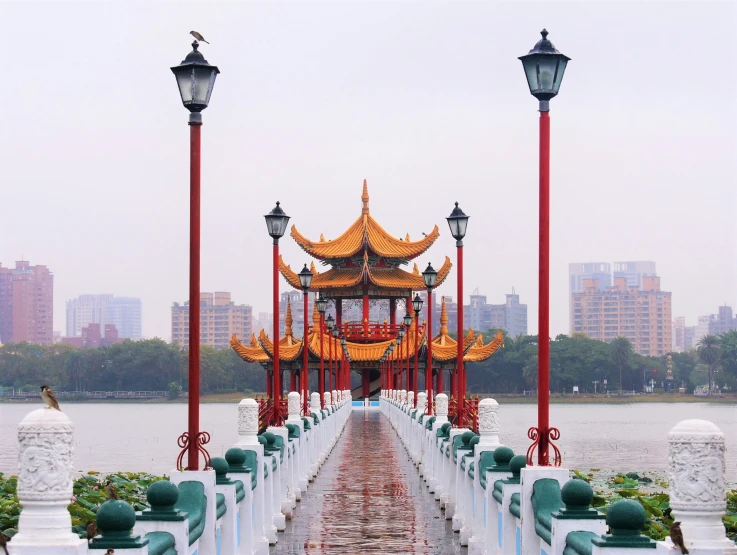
(220, 318)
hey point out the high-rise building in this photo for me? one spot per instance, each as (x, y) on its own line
(709, 324)
(124, 312)
(220, 318)
(634, 272)
(510, 316)
(26, 304)
(296, 301)
(641, 314)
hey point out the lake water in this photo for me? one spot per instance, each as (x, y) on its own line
(131, 437)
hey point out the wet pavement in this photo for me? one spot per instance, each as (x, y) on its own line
(368, 498)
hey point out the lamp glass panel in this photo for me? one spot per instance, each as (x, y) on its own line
(546, 71)
(462, 225)
(202, 78)
(530, 66)
(562, 62)
(453, 224)
(184, 82)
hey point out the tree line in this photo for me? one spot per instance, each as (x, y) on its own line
(577, 360)
(154, 365)
(148, 365)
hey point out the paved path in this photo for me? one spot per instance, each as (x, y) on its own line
(368, 498)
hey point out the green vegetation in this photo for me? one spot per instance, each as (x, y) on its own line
(151, 365)
(579, 361)
(89, 494)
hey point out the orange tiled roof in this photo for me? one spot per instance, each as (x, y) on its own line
(445, 348)
(388, 278)
(365, 231)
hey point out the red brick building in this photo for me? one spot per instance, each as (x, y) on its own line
(26, 304)
(91, 337)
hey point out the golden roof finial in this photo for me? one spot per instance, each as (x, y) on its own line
(312, 267)
(315, 315)
(365, 198)
(322, 238)
(443, 318)
(254, 341)
(288, 320)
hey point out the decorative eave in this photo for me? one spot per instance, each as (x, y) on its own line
(445, 348)
(365, 232)
(387, 278)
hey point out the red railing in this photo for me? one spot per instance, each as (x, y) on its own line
(470, 418)
(374, 332)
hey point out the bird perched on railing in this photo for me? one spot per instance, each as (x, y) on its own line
(110, 551)
(198, 36)
(49, 398)
(110, 490)
(91, 530)
(676, 535)
(4, 542)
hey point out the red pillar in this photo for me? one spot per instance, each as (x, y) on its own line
(365, 311)
(439, 386)
(275, 420)
(461, 373)
(543, 333)
(416, 373)
(366, 383)
(321, 375)
(339, 374)
(193, 402)
(392, 312)
(428, 364)
(305, 373)
(330, 365)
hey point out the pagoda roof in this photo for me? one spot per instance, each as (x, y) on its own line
(365, 231)
(445, 348)
(386, 278)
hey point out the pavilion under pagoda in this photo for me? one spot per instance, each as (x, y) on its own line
(365, 266)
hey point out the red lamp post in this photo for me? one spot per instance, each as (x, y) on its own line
(458, 223)
(544, 68)
(336, 335)
(322, 305)
(329, 324)
(417, 305)
(407, 324)
(305, 280)
(430, 276)
(276, 224)
(195, 79)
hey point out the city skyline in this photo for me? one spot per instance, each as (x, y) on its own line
(470, 136)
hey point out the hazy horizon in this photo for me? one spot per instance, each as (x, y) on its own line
(427, 101)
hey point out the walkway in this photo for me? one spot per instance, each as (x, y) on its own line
(368, 498)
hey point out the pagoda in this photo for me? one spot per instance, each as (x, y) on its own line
(364, 265)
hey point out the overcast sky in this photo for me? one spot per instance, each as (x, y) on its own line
(425, 100)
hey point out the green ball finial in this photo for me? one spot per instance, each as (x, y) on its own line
(235, 456)
(467, 437)
(220, 466)
(626, 518)
(503, 456)
(577, 495)
(517, 463)
(116, 518)
(162, 495)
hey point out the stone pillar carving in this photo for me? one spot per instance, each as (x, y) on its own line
(326, 396)
(403, 397)
(410, 399)
(696, 473)
(441, 405)
(489, 422)
(293, 405)
(315, 402)
(335, 397)
(247, 421)
(45, 438)
(421, 402)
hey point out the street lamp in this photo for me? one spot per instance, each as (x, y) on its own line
(305, 280)
(336, 334)
(458, 223)
(322, 305)
(276, 224)
(343, 364)
(417, 305)
(431, 277)
(195, 79)
(544, 68)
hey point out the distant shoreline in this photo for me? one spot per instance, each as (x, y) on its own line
(501, 398)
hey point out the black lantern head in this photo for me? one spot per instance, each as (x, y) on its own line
(343, 341)
(276, 222)
(544, 68)
(195, 79)
(430, 276)
(407, 318)
(401, 333)
(458, 222)
(322, 304)
(305, 278)
(336, 332)
(329, 322)
(417, 303)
